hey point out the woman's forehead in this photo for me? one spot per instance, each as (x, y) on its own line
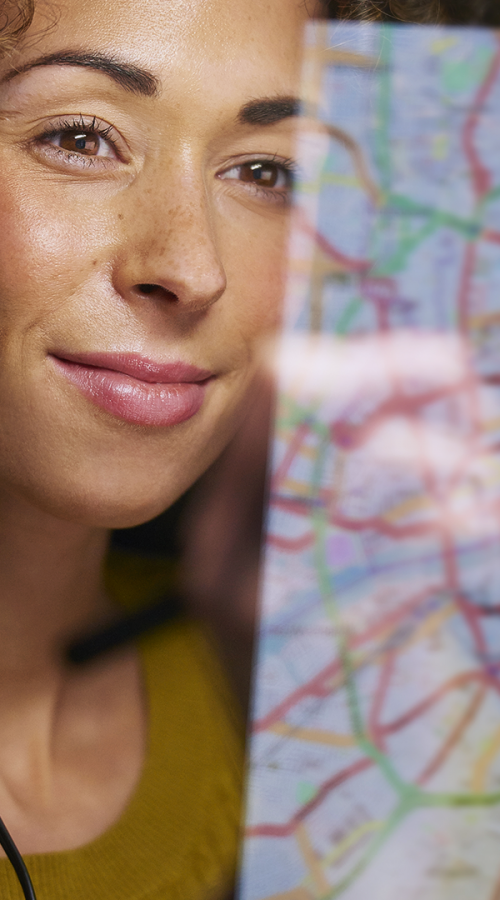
(195, 38)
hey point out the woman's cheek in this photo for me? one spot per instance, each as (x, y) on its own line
(47, 250)
(255, 260)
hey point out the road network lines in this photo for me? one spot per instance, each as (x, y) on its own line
(390, 561)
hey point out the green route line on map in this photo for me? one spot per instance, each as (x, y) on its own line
(470, 229)
(295, 414)
(350, 840)
(411, 796)
(349, 314)
(381, 838)
(469, 226)
(399, 260)
(492, 194)
(382, 139)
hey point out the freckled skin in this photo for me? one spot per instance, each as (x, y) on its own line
(75, 248)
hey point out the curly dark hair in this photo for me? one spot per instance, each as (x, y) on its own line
(445, 12)
(15, 17)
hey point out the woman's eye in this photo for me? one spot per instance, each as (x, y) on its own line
(261, 174)
(84, 143)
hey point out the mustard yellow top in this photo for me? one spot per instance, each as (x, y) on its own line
(177, 839)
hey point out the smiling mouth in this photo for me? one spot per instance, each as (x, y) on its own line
(134, 388)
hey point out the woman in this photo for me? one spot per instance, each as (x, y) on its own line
(145, 164)
(145, 167)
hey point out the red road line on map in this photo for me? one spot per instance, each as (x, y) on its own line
(463, 604)
(382, 307)
(348, 263)
(398, 532)
(376, 523)
(286, 829)
(374, 728)
(395, 616)
(481, 180)
(291, 545)
(490, 235)
(481, 176)
(356, 435)
(291, 452)
(302, 506)
(454, 737)
(379, 289)
(461, 467)
(465, 285)
(465, 607)
(349, 436)
(425, 704)
(452, 581)
(472, 617)
(316, 685)
(315, 688)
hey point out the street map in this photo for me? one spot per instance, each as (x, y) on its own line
(374, 770)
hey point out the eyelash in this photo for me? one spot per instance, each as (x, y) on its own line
(107, 133)
(89, 125)
(275, 195)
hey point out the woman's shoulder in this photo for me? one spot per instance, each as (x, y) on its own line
(192, 782)
(190, 794)
(178, 837)
(181, 659)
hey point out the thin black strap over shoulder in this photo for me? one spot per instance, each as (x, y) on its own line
(17, 861)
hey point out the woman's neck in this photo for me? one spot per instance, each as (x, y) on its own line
(50, 584)
(72, 739)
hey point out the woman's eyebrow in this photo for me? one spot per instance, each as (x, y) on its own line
(268, 110)
(262, 111)
(127, 75)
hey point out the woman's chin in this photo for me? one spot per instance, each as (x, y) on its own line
(107, 474)
(109, 513)
(96, 505)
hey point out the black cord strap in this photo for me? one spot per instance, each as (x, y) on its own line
(17, 861)
(124, 629)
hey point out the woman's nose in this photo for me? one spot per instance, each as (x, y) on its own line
(168, 249)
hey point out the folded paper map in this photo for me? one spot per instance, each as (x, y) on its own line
(374, 769)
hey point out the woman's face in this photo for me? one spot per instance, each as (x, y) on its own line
(144, 169)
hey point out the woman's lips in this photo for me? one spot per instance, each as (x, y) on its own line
(134, 388)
